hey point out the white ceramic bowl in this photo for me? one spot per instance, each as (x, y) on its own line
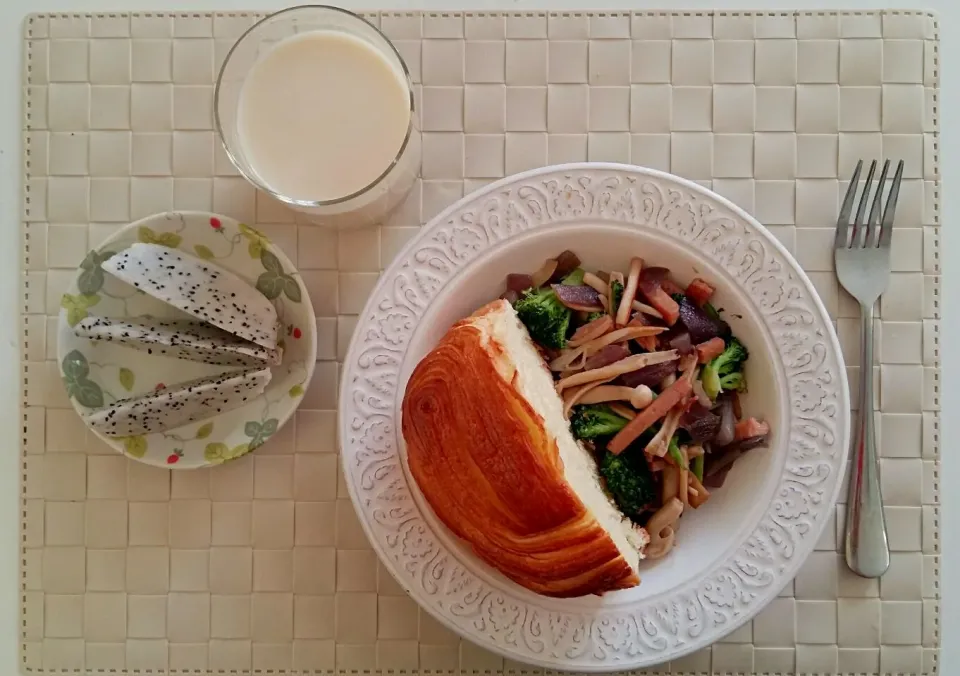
(736, 551)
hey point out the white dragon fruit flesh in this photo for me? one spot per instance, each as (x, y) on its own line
(182, 339)
(179, 404)
(199, 288)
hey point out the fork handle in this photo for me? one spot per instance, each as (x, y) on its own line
(867, 551)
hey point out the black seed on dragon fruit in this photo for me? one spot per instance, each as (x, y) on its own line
(181, 339)
(150, 268)
(179, 405)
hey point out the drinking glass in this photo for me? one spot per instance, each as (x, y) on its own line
(368, 205)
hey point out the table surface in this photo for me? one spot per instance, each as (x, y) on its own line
(12, 13)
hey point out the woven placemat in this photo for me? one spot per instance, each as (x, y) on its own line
(260, 566)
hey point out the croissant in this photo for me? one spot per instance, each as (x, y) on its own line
(490, 449)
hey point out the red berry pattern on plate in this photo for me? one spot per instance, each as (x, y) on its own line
(215, 223)
(175, 456)
(297, 333)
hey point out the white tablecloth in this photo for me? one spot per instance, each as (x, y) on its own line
(11, 17)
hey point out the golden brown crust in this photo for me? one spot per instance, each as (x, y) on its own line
(492, 473)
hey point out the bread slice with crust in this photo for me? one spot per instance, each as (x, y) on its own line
(492, 452)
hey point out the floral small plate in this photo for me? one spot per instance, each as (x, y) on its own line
(96, 374)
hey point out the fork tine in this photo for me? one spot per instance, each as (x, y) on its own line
(843, 221)
(873, 222)
(858, 224)
(886, 226)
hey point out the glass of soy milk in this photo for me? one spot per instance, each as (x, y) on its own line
(315, 107)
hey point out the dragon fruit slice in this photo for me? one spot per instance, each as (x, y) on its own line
(201, 289)
(183, 339)
(179, 404)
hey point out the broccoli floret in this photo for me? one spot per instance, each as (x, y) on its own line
(678, 298)
(595, 315)
(616, 293)
(595, 421)
(575, 278)
(712, 312)
(546, 318)
(732, 357)
(734, 381)
(629, 480)
(725, 366)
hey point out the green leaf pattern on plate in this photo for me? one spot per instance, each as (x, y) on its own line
(271, 263)
(77, 306)
(167, 239)
(218, 452)
(270, 285)
(205, 430)
(260, 432)
(75, 366)
(75, 370)
(135, 446)
(203, 252)
(91, 278)
(127, 379)
(258, 241)
(275, 281)
(86, 392)
(291, 288)
(256, 238)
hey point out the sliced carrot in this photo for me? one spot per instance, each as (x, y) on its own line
(662, 302)
(710, 349)
(699, 291)
(751, 427)
(651, 414)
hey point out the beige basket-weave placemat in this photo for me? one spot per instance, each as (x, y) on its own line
(260, 566)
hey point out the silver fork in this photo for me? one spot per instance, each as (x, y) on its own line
(862, 256)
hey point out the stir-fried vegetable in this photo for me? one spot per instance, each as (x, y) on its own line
(629, 481)
(617, 293)
(652, 389)
(595, 421)
(546, 318)
(699, 291)
(700, 326)
(578, 297)
(674, 450)
(698, 467)
(575, 278)
(669, 398)
(725, 372)
(712, 312)
(709, 350)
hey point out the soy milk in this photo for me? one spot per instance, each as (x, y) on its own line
(322, 115)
